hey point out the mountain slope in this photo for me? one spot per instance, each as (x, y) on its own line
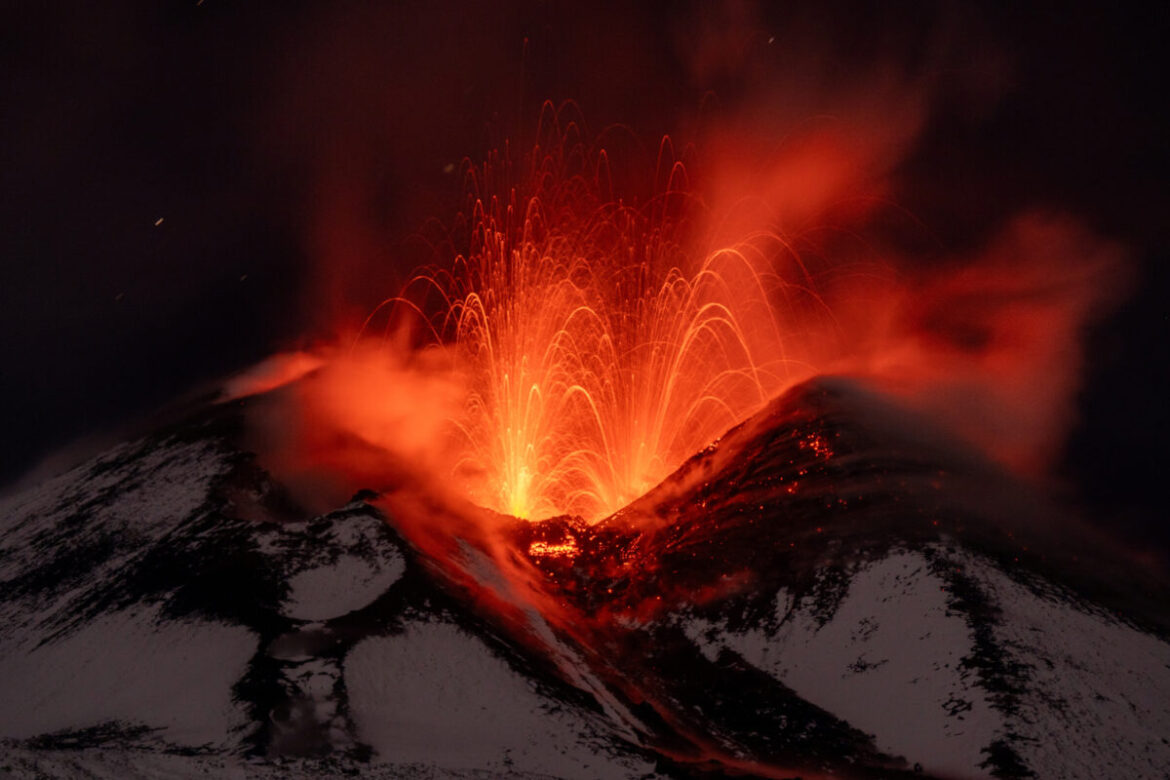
(831, 589)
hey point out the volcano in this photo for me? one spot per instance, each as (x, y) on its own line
(831, 588)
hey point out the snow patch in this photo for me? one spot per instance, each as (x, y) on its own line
(888, 662)
(1094, 691)
(130, 667)
(156, 481)
(122, 502)
(343, 586)
(438, 696)
(1098, 690)
(22, 763)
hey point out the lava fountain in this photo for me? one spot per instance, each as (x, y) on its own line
(602, 343)
(579, 335)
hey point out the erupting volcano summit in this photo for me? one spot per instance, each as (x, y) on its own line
(699, 458)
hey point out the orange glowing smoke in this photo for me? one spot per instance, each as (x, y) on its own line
(277, 371)
(574, 343)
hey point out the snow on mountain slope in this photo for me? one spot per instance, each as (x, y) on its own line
(435, 695)
(812, 595)
(892, 640)
(173, 678)
(167, 613)
(344, 576)
(23, 763)
(91, 523)
(1075, 690)
(1094, 689)
(80, 653)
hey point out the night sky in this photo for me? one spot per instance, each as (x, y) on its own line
(269, 136)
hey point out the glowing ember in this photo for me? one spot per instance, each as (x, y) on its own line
(554, 550)
(817, 444)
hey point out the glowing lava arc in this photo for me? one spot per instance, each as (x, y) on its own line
(602, 343)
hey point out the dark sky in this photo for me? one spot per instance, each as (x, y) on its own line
(267, 135)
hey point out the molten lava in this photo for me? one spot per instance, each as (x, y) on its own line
(602, 343)
(545, 549)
